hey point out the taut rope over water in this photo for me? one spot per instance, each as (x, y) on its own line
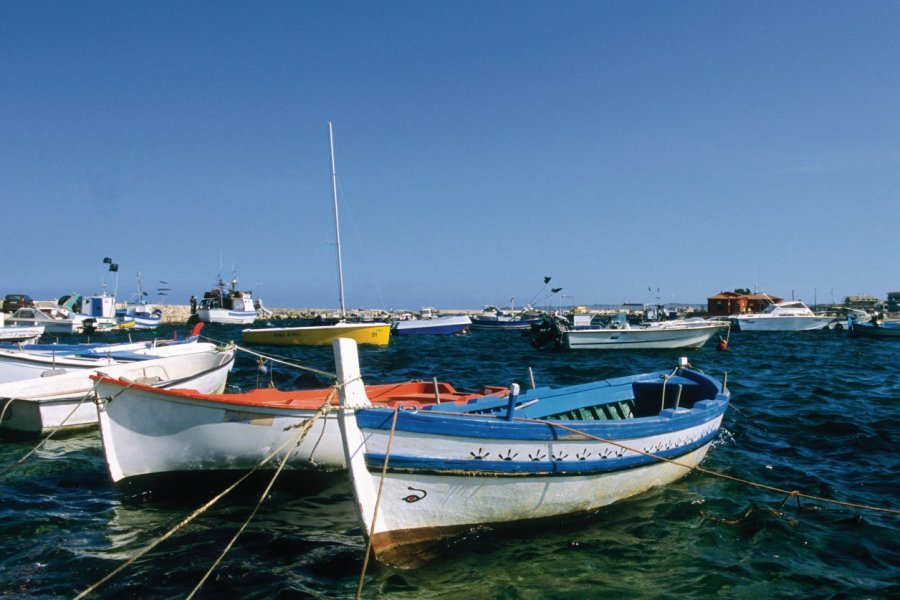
(47, 437)
(296, 440)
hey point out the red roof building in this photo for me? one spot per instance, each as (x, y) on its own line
(733, 303)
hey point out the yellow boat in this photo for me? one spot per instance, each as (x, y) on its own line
(378, 334)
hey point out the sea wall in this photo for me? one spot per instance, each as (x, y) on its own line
(180, 313)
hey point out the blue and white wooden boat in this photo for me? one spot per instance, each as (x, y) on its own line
(137, 312)
(873, 328)
(427, 323)
(139, 316)
(422, 476)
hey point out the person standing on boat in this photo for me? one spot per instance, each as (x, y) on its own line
(193, 304)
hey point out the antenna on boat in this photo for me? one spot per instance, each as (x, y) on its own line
(337, 223)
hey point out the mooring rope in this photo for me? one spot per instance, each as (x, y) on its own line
(790, 493)
(275, 359)
(5, 406)
(387, 455)
(322, 412)
(298, 439)
(704, 470)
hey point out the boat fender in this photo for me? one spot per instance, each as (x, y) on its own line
(722, 345)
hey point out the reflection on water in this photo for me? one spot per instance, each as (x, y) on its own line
(817, 413)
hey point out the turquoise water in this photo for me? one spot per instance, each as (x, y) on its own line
(818, 414)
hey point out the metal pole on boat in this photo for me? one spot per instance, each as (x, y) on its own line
(337, 223)
(437, 392)
(531, 377)
(513, 395)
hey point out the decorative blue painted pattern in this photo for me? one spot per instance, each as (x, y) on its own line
(537, 465)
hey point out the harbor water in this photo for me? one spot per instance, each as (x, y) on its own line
(814, 412)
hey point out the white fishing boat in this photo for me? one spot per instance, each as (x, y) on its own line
(421, 477)
(66, 401)
(227, 305)
(149, 431)
(618, 334)
(496, 319)
(792, 315)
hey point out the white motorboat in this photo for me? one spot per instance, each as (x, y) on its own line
(19, 334)
(54, 320)
(618, 334)
(429, 323)
(66, 401)
(27, 362)
(793, 315)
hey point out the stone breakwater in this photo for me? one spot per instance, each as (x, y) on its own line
(180, 313)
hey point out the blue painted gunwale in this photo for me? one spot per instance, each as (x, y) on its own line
(472, 467)
(489, 427)
(558, 400)
(58, 348)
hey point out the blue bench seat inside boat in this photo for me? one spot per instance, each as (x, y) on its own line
(680, 391)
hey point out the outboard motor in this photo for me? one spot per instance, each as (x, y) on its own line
(549, 329)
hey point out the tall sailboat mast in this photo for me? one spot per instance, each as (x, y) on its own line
(337, 222)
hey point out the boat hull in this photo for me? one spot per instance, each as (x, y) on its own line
(762, 323)
(378, 334)
(448, 325)
(503, 325)
(37, 407)
(16, 365)
(468, 472)
(885, 330)
(638, 338)
(20, 333)
(224, 316)
(420, 476)
(469, 504)
(148, 432)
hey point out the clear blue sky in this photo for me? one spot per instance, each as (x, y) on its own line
(692, 147)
